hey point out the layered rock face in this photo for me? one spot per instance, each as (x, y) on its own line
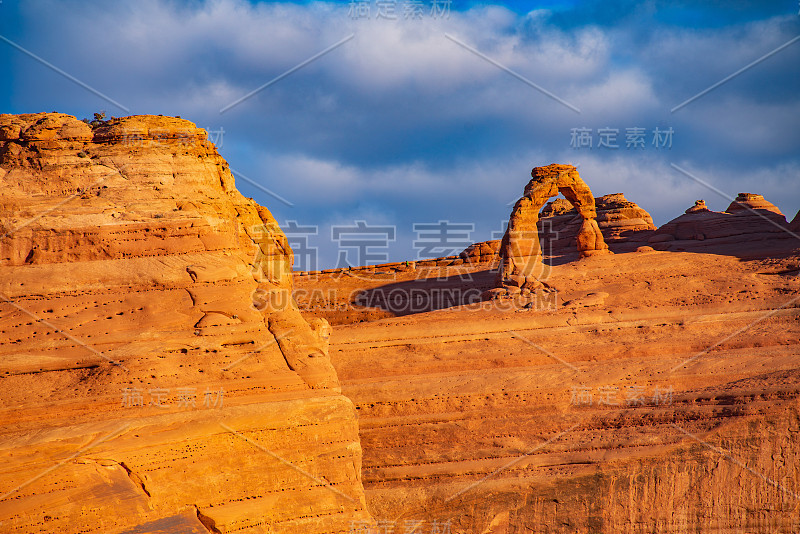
(482, 252)
(158, 375)
(621, 222)
(520, 251)
(749, 219)
(669, 405)
(699, 205)
(751, 201)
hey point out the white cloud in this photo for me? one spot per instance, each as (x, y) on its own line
(621, 96)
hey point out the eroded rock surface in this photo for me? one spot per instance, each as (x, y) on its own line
(658, 394)
(622, 222)
(749, 220)
(157, 373)
(699, 205)
(661, 397)
(482, 252)
(750, 202)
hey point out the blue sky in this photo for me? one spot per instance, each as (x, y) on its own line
(401, 124)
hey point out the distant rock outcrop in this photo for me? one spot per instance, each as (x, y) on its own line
(521, 255)
(749, 219)
(146, 311)
(620, 221)
(750, 202)
(699, 205)
(482, 252)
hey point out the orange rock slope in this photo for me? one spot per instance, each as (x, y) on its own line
(652, 392)
(156, 374)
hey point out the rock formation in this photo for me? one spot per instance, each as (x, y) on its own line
(621, 222)
(158, 375)
(520, 251)
(750, 202)
(699, 205)
(749, 220)
(482, 252)
(658, 395)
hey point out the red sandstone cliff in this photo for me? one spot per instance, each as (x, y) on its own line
(156, 372)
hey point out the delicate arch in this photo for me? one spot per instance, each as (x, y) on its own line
(520, 252)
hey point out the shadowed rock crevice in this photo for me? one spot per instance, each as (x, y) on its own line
(135, 478)
(207, 521)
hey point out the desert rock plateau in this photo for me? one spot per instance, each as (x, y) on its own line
(164, 369)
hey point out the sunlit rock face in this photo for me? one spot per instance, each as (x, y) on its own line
(749, 220)
(623, 224)
(156, 372)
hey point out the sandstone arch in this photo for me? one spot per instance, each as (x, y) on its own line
(521, 254)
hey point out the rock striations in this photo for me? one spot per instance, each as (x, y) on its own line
(157, 373)
(749, 220)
